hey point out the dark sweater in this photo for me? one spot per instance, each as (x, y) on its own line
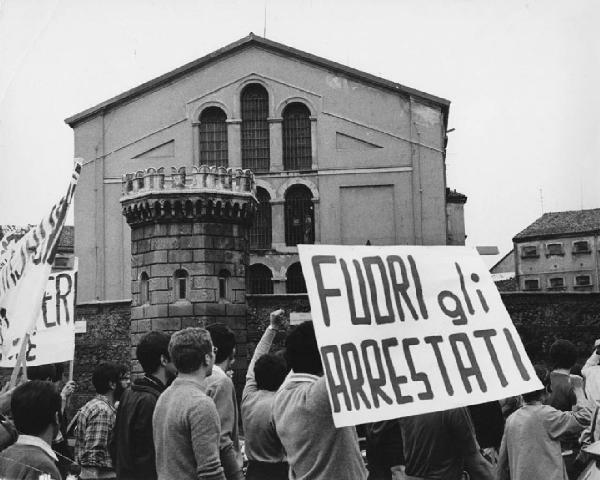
(132, 447)
(26, 462)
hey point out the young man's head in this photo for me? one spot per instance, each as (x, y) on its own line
(35, 409)
(539, 395)
(270, 371)
(223, 339)
(106, 379)
(563, 354)
(301, 350)
(153, 354)
(47, 373)
(191, 350)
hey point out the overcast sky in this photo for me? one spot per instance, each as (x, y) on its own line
(522, 76)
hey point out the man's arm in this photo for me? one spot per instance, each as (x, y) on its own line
(460, 423)
(503, 468)
(221, 392)
(591, 362)
(276, 322)
(96, 438)
(205, 431)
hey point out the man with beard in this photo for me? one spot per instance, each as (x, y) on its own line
(132, 447)
(95, 422)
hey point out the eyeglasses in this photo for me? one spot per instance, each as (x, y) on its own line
(215, 350)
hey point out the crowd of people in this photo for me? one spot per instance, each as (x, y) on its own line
(182, 420)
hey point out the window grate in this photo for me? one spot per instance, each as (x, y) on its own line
(255, 129)
(297, 149)
(299, 216)
(213, 137)
(294, 282)
(260, 232)
(260, 279)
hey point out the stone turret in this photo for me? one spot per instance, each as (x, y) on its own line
(189, 247)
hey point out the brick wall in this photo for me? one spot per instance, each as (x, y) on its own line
(107, 339)
(541, 318)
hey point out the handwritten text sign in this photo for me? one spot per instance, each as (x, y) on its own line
(405, 330)
(53, 339)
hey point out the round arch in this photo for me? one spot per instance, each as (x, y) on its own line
(305, 101)
(298, 181)
(211, 103)
(243, 84)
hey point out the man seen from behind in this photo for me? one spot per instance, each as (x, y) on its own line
(185, 423)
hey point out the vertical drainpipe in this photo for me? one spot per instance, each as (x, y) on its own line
(597, 264)
(415, 182)
(99, 223)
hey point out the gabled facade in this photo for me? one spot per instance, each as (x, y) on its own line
(340, 157)
(559, 252)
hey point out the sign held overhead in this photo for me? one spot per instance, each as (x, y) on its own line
(406, 330)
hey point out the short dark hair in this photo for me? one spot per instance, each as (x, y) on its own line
(301, 350)
(34, 406)
(563, 354)
(105, 373)
(42, 372)
(224, 339)
(542, 374)
(270, 371)
(188, 349)
(149, 350)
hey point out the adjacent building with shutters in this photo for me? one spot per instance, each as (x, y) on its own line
(559, 252)
(339, 156)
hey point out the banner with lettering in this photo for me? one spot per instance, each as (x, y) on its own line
(405, 330)
(25, 267)
(53, 339)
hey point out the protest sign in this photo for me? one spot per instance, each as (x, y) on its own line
(405, 330)
(25, 267)
(53, 339)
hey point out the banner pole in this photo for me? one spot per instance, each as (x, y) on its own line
(20, 363)
(71, 365)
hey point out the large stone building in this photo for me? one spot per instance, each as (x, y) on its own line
(559, 252)
(340, 157)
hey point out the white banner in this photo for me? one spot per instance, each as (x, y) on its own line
(53, 339)
(24, 271)
(405, 330)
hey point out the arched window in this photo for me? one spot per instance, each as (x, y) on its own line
(299, 216)
(297, 150)
(224, 285)
(213, 137)
(180, 284)
(255, 128)
(261, 279)
(294, 282)
(144, 288)
(260, 232)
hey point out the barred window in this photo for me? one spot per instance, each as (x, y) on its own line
(260, 232)
(294, 282)
(181, 284)
(224, 293)
(299, 216)
(297, 150)
(255, 128)
(261, 279)
(144, 288)
(213, 137)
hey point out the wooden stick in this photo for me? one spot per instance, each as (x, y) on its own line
(20, 363)
(71, 365)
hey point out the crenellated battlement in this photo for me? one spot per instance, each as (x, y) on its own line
(187, 194)
(205, 178)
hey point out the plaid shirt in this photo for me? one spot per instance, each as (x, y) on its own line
(95, 422)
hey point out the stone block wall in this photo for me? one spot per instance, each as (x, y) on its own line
(541, 318)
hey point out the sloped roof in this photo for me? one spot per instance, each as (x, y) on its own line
(555, 224)
(253, 40)
(502, 260)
